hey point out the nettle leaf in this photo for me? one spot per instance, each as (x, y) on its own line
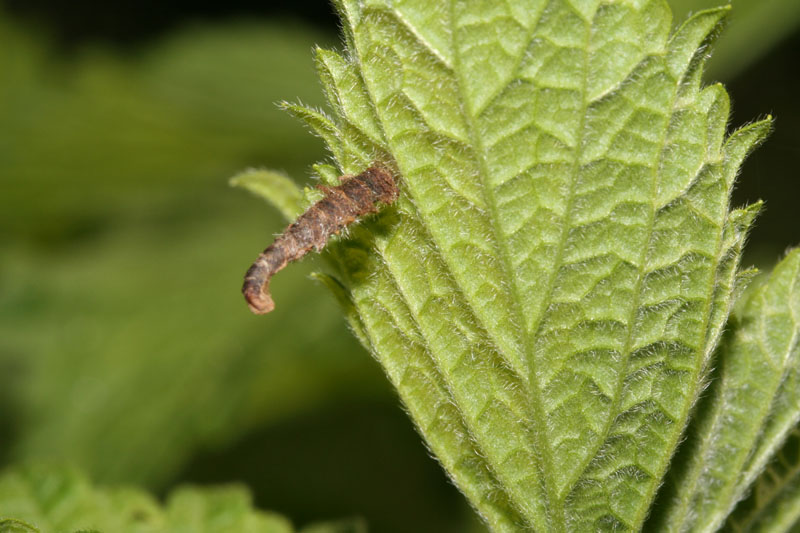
(548, 291)
(39, 498)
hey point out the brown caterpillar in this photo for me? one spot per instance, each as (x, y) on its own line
(354, 197)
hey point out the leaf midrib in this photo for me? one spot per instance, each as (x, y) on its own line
(555, 517)
(527, 339)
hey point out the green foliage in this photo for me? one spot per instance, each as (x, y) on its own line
(15, 526)
(752, 405)
(126, 348)
(545, 297)
(50, 499)
(63, 500)
(548, 293)
(123, 337)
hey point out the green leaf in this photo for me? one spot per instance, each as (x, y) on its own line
(755, 388)
(774, 504)
(53, 499)
(275, 187)
(548, 291)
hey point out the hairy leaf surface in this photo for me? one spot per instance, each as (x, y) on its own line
(548, 290)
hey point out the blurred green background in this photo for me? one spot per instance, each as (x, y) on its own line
(125, 345)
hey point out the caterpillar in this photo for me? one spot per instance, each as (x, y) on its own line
(354, 197)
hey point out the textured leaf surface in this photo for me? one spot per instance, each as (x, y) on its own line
(547, 292)
(754, 401)
(63, 500)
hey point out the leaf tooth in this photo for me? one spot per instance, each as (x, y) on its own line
(737, 226)
(321, 59)
(328, 173)
(320, 124)
(740, 143)
(687, 47)
(347, 94)
(717, 104)
(348, 144)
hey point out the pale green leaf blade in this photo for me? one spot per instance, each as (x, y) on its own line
(547, 291)
(774, 505)
(57, 499)
(275, 187)
(754, 363)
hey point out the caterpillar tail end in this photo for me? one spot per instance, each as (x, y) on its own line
(258, 298)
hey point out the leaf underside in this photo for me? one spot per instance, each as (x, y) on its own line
(548, 291)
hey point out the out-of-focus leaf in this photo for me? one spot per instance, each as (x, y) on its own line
(774, 504)
(273, 186)
(134, 351)
(755, 27)
(16, 526)
(96, 138)
(53, 499)
(355, 525)
(123, 335)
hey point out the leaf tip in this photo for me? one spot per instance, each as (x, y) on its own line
(688, 45)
